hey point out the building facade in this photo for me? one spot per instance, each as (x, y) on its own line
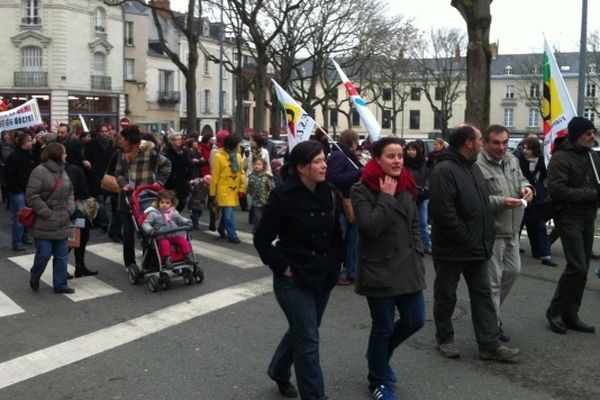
(67, 55)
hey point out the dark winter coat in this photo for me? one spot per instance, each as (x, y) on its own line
(17, 170)
(309, 240)
(53, 210)
(340, 171)
(98, 152)
(571, 180)
(390, 251)
(180, 171)
(462, 220)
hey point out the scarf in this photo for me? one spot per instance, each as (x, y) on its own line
(168, 215)
(415, 163)
(373, 172)
(235, 167)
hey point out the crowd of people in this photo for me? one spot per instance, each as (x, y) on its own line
(340, 214)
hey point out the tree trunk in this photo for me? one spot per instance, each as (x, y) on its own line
(239, 104)
(190, 87)
(476, 14)
(260, 94)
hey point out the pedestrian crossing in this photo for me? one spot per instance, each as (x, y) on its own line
(92, 287)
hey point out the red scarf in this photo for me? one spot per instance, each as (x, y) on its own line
(372, 173)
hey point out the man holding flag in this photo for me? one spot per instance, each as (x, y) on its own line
(574, 187)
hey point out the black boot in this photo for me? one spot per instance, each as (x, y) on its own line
(81, 270)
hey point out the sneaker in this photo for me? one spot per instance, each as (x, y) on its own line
(383, 392)
(34, 285)
(344, 282)
(19, 248)
(448, 350)
(286, 389)
(65, 290)
(502, 353)
(235, 240)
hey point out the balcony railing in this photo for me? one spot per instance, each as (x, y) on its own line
(31, 79)
(101, 82)
(169, 96)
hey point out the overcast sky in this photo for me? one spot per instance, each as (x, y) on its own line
(519, 25)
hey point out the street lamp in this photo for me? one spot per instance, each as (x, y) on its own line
(582, 59)
(221, 38)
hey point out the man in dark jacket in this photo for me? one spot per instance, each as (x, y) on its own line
(181, 165)
(19, 165)
(98, 152)
(463, 237)
(573, 185)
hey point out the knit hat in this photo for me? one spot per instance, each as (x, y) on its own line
(578, 126)
(221, 135)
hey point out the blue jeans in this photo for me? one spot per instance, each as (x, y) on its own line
(19, 232)
(350, 235)
(386, 334)
(59, 251)
(227, 223)
(299, 345)
(422, 210)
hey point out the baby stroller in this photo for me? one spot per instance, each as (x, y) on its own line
(143, 197)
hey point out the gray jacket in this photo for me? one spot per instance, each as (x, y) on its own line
(501, 184)
(390, 251)
(155, 220)
(54, 211)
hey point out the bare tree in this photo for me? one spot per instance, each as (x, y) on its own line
(189, 24)
(476, 14)
(439, 72)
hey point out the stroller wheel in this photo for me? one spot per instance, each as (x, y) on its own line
(188, 276)
(198, 275)
(164, 281)
(133, 274)
(153, 283)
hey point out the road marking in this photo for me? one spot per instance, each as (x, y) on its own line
(244, 236)
(86, 288)
(226, 255)
(8, 307)
(42, 361)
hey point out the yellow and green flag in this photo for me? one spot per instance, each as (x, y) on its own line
(557, 106)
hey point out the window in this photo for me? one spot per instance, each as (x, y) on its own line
(590, 90)
(590, 114)
(510, 92)
(509, 114)
(333, 117)
(207, 101)
(206, 66)
(225, 102)
(32, 13)
(333, 94)
(439, 93)
(508, 70)
(205, 29)
(534, 92)
(100, 17)
(415, 119)
(534, 118)
(535, 70)
(98, 65)
(387, 94)
(31, 58)
(129, 69)
(355, 118)
(415, 94)
(128, 33)
(386, 119)
(436, 120)
(165, 81)
(592, 69)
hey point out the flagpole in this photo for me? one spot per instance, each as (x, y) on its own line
(582, 59)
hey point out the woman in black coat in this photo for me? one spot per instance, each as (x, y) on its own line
(305, 260)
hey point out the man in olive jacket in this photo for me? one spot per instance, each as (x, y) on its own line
(506, 186)
(462, 238)
(573, 186)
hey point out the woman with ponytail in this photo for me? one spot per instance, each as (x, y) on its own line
(390, 271)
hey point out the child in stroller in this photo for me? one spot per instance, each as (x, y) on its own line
(163, 216)
(165, 239)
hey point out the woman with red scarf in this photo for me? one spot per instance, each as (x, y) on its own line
(390, 272)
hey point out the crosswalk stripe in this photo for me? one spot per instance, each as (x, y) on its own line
(49, 359)
(226, 255)
(113, 252)
(8, 307)
(244, 236)
(86, 288)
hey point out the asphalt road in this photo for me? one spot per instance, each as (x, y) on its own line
(214, 340)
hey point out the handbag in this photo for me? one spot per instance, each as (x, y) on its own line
(26, 215)
(109, 184)
(74, 238)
